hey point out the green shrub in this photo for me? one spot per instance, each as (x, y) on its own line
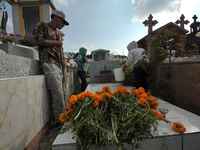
(26, 42)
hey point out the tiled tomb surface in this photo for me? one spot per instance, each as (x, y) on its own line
(165, 139)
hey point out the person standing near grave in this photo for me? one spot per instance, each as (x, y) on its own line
(81, 61)
(49, 40)
(136, 57)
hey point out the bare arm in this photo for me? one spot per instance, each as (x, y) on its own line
(124, 68)
(52, 42)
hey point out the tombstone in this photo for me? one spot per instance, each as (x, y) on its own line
(195, 26)
(100, 54)
(23, 10)
(194, 29)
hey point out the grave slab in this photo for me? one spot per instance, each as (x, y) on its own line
(165, 138)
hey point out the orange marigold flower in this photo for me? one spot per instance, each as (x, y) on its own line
(157, 114)
(111, 93)
(143, 102)
(178, 127)
(144, 95)
(106, 89)
(106, 96)
(67, 113)
(95, 104)
(135, 92)
(153, 102)
(84, 95)
(97, 97)
(151, 98)
(121, 89)
(133, 88)
(73, 99)
(69, 105)
(141, 90)
(63, 118)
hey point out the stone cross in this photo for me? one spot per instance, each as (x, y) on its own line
(182, 21)
(150, 23)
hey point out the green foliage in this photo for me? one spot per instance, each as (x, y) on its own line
(111, 122)
(190, 45)
(26, 42)
(162, 45)
(129, 76)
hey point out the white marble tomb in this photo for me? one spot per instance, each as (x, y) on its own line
(165, 136)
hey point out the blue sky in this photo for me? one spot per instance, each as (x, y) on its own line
(112, 24)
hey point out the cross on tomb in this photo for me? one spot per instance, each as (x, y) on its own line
(182, 21)
(150, 23)
(195, 18)
(195, 25)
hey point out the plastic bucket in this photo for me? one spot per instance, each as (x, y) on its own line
(119, 74)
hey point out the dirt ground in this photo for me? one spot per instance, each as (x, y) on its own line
(48, 139)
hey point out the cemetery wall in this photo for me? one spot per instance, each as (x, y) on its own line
(184, 82)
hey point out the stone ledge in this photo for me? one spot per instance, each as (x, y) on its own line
(20, 50)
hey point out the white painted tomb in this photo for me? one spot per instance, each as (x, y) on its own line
(166, 138)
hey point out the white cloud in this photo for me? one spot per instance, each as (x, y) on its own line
(159, 9)
(117, 52)
(164, 11)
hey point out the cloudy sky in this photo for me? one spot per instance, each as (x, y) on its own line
(112, 24)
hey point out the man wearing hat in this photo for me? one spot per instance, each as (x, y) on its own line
(49, 40)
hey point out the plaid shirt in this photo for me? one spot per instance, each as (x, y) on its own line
(50, 54)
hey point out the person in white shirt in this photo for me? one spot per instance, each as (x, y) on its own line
(135, 56)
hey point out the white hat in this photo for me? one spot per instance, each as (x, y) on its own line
(60, 14)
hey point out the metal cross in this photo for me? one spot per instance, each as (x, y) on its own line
(195, 18)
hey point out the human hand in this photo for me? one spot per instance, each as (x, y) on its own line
(78, 65)
(123, 68)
